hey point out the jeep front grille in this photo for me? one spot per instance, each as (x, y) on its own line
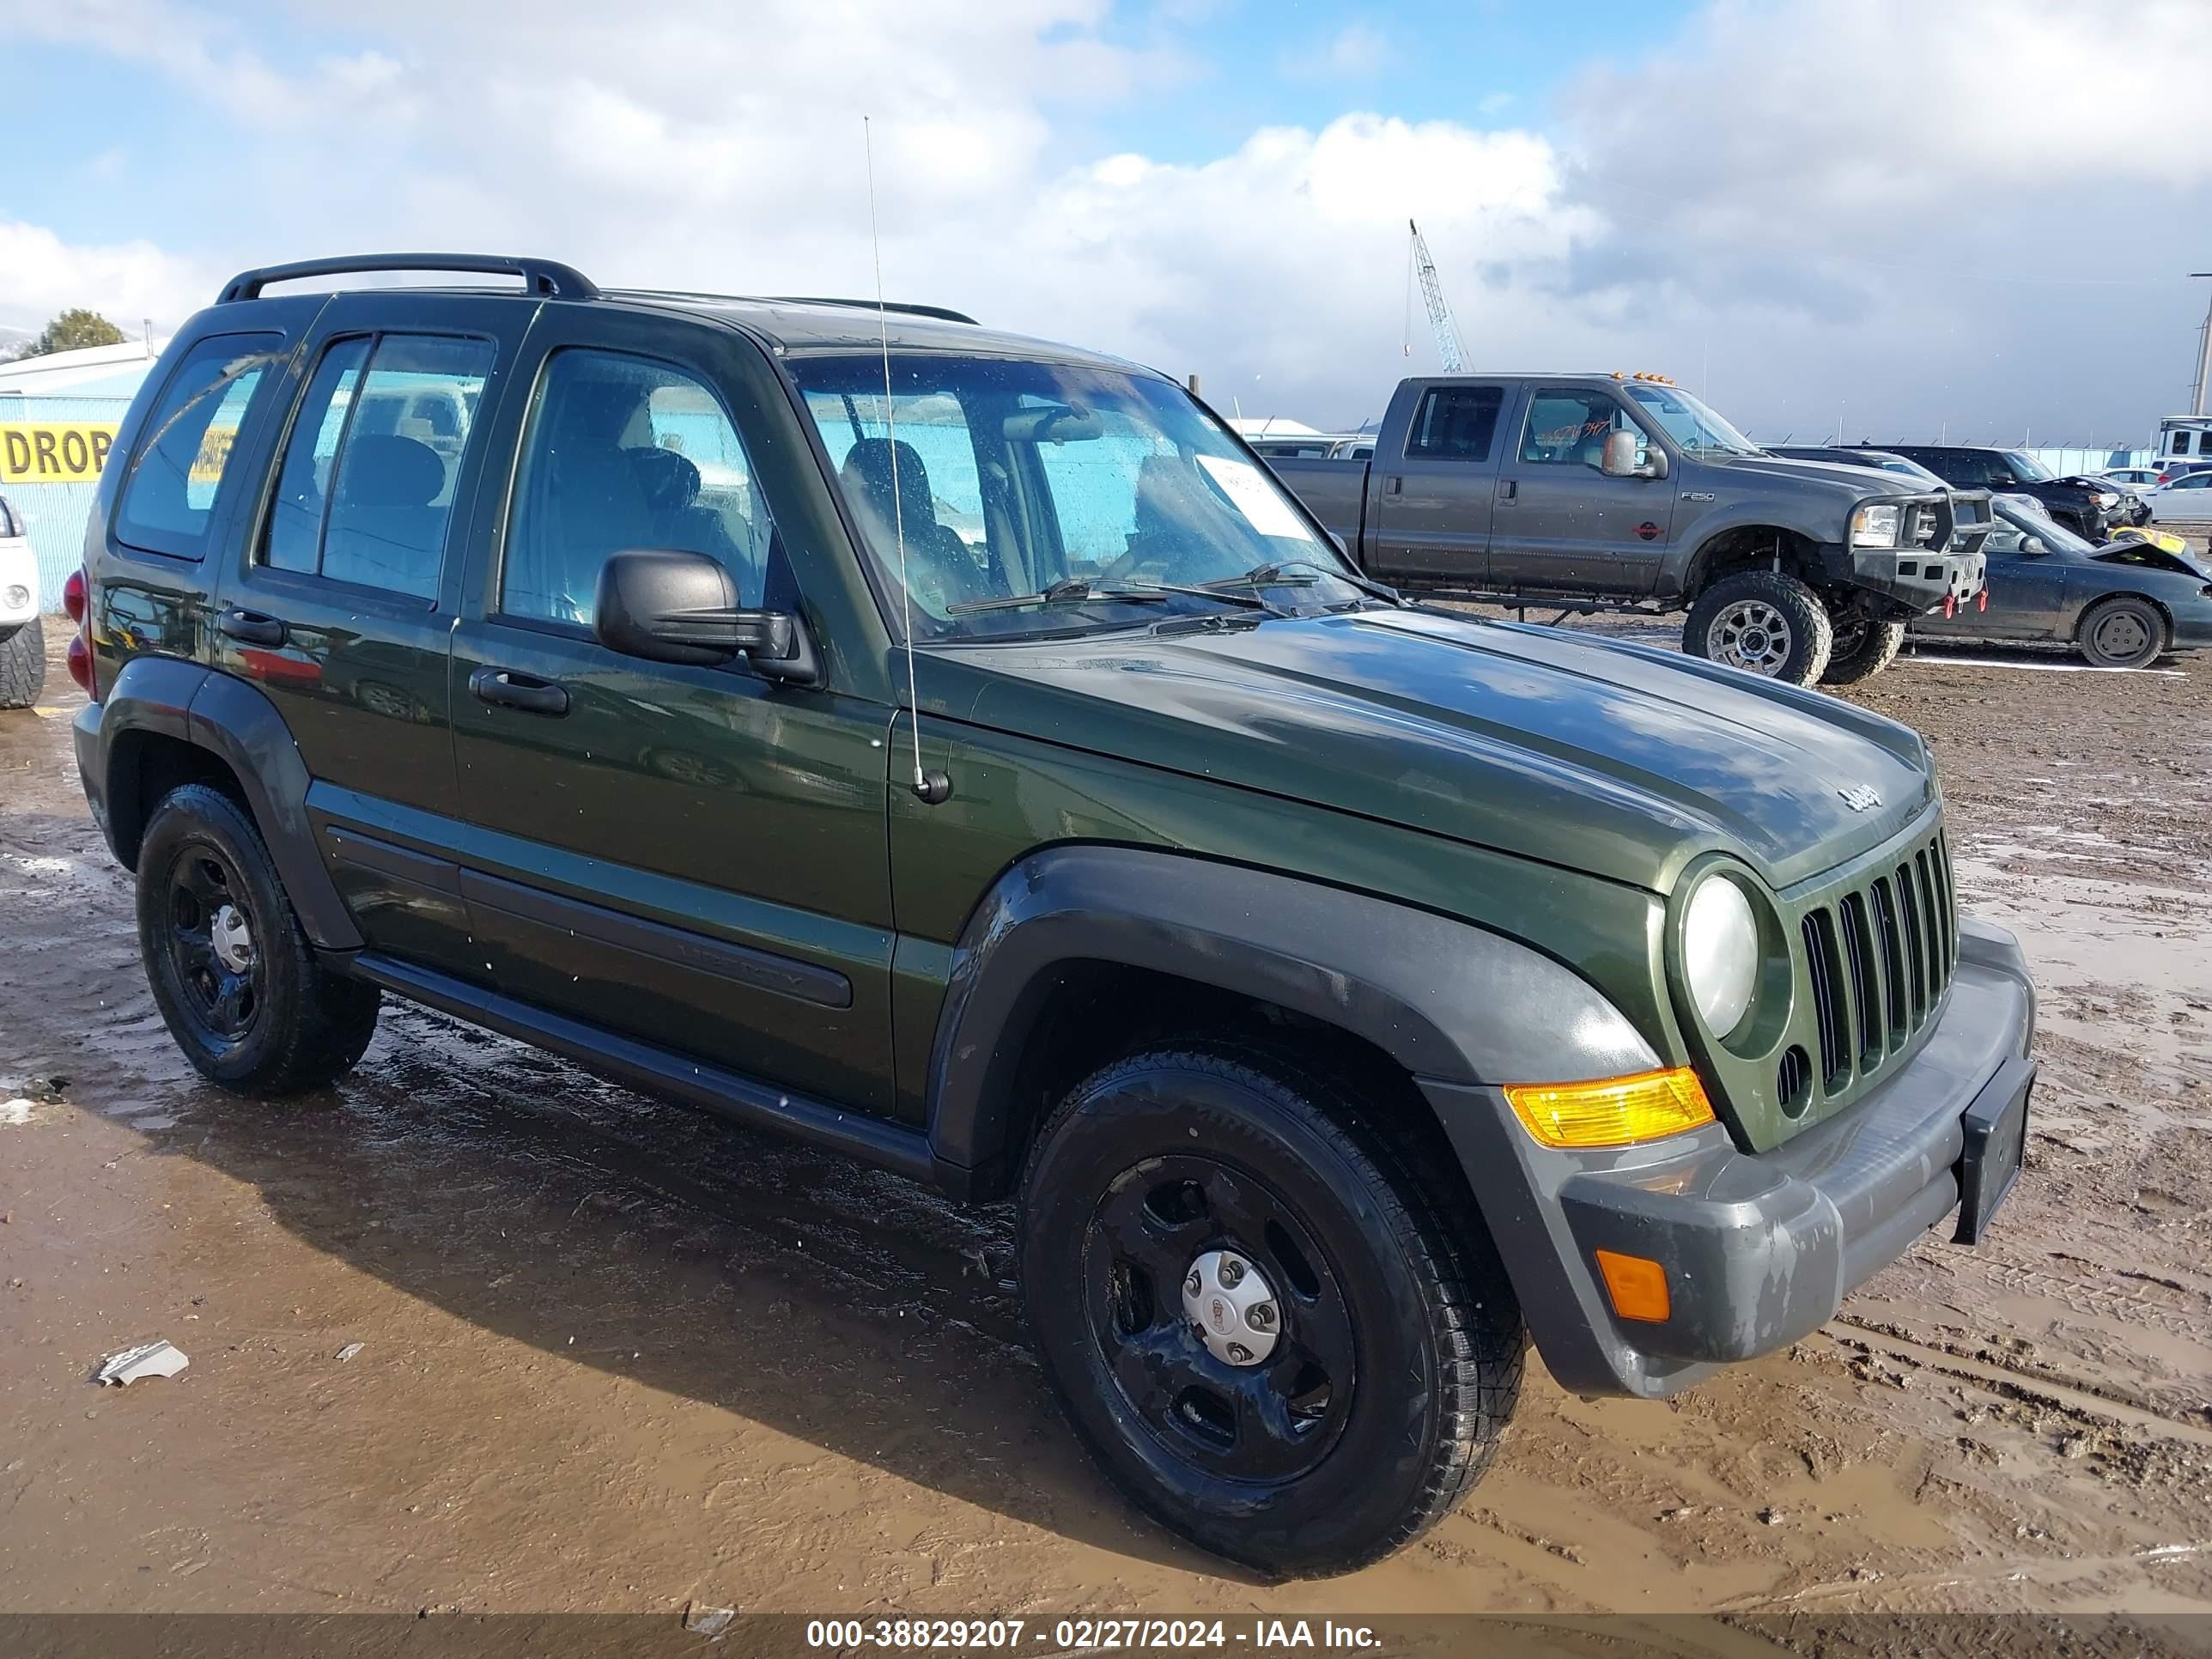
(1878, 959)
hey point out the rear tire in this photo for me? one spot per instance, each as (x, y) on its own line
(1390, 1356)
(1764, 622)
(23, 665)
(1861, 649)
(2122, 632)
(237, 982)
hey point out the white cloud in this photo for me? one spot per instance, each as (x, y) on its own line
(40, 275)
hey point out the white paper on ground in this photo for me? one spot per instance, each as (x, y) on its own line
(1251, 495)
(153, 1359)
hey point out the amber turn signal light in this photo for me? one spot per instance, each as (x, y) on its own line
(1615, 1111)
(1636, 1285)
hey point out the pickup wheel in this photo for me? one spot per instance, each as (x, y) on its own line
(1278, 1339)
(23, 665)
(239, 986)
(1762, 622)
(2122, 632)
(1863, 648)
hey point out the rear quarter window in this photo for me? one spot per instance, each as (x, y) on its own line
(183, 463)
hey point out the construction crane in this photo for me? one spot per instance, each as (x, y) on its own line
(1440, 317)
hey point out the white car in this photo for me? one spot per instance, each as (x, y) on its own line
(23, 641)
(2184, 498)
(2140, 479)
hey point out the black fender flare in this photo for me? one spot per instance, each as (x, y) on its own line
(169, 697)
(1444, 999)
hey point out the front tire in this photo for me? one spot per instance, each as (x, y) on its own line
(2122, 632)
(1764, 622)
(237, 982)
(23, 665)
(1860, 649)
(1277, 1339)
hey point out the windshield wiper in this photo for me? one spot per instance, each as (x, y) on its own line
(1278, 575)
(1078, 590)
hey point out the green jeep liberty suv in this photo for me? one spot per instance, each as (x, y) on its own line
(959, 749)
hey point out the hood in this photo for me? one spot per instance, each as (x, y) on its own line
(1857, 480)
(2151, 557)
(1615, 759)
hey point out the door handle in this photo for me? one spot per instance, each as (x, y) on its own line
(511, 688)
(251, 627)
(1508, 489)
(1391, 484)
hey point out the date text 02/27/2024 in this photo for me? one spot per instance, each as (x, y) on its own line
(1260, 1635)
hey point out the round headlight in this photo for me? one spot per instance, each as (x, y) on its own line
(1720, 953)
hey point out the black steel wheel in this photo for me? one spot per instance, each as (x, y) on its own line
(207, 928)
(1219, 1318)
(2122, 632)
(1279, 1326)
(238, 983)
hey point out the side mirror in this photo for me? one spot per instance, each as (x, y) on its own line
(2034, 546)
(1618, 458)
(665, 606)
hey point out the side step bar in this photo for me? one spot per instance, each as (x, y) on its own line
(642, 1066)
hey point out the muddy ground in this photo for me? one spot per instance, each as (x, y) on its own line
(616, 1356)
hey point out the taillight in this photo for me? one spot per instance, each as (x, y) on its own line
(76, 601)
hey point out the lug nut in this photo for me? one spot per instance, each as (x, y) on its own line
(1239, 1353)
(1232, 1272)
(1261, 1316)
(1193, 1285)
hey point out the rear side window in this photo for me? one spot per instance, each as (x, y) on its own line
(1455, 424)
(365, 494)
(183, 461)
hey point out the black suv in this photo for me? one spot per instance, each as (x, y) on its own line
(957, 749)
(2088, 506)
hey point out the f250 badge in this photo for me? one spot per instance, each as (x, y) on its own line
(1858, 797)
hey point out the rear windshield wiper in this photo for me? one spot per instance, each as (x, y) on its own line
(1079, 590)
(1278, 574)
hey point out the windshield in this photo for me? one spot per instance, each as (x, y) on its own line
(1688, 422)
(1910, 469)
(2027, 466)
(2026, 516)
(1048, 483)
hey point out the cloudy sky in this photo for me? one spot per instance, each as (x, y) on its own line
(1901, 215)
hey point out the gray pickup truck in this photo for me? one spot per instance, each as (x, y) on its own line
(1619, 491)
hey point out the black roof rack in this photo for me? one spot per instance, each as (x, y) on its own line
(546, 278)
(942, 313)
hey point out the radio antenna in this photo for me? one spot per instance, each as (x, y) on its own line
(931, 786)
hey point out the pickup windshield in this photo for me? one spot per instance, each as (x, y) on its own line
(1689, 422)
(1080, 497)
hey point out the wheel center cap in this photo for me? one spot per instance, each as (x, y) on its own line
(1232, 1306)
(232, 938)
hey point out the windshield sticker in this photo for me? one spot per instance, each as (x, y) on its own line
(1265, 510)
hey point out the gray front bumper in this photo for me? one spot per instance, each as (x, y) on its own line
(1759, 1250)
